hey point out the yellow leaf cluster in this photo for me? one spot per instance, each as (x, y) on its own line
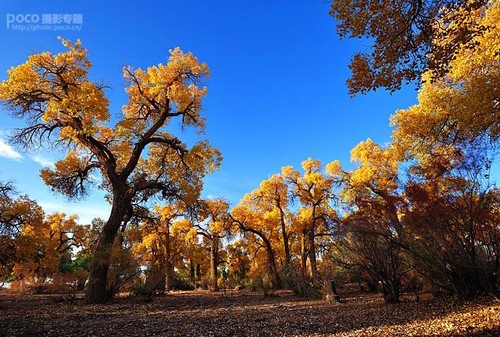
(462, 105)
(60, 81)
(377, 166)
(158, 88)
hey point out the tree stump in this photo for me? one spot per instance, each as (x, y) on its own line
(330, 292)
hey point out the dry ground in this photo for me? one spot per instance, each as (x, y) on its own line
(245, 314)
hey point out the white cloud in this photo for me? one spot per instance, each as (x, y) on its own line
(86, 211)
(45, 162)
(7, 151)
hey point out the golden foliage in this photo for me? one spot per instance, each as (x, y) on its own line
(43, 245)
(402, 37)
(464, 104)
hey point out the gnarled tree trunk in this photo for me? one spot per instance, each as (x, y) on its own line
(312, 257)
(214, 262)
(96, 288)
(97, 284)
(271, 267)
(169, 267)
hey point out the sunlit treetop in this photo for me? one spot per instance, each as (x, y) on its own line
(402, 34)
(174, 86)
(53, 93)
(376, 165)
(213, 217)
(463, 105)
(314, 185)
(376, 172)
(55, 90)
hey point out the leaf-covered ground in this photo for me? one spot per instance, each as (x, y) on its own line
(245, 314)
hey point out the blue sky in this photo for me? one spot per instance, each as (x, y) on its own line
(276, 96)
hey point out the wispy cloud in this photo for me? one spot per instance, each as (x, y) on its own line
(45, 162)
(7, 151)
(86, 211)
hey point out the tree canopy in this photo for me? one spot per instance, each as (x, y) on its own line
(403, 36)
(138, 158)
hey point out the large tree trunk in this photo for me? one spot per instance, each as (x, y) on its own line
(303, 255)
(156, 278)
(169, 277)
(391, 291)
(312, 257)
(98, 277)
(271, 263)
(191, 271)
(271, 267)
(214, 262)
(198, 274)
(285, 237)
(271, 259)
(96, 288)
(169, 268)
(330, 292)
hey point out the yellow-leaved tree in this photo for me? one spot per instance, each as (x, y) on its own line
(137, 158)
(43, 246)
(452, 137)
(374, 231)
(316, 217)
(463, 105)
(160, 243)
(264, 213)
(213, 225)
(403, 35)
(15, 214)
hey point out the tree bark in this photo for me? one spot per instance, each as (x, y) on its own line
(191, 271)
(303, 255)
(198, 274)
(157, 278)
(286, 245)
(284, 235)
(98, 277)
(169, 268)
(330, 290)
(96, 289)
(214, 262)
(271, 267)
(169, 277)
(312, 257)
